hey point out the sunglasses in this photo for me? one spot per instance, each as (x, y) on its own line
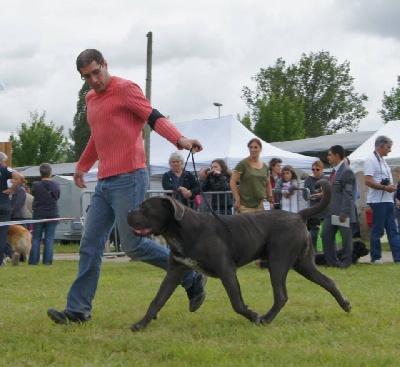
(315, 169)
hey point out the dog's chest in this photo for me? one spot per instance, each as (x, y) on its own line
(193, 264)
(178, 251)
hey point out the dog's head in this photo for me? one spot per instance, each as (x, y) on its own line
(154, 214)
(359, 250)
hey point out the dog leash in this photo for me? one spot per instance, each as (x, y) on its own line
(202, 192)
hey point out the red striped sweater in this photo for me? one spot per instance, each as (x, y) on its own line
(116, 118)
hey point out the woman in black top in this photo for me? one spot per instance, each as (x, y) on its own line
(45, 196)
(218, 179)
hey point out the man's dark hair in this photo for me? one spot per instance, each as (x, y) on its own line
(86, 57)
(338, 149)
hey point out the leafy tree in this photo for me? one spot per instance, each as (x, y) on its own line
(280, 119)
(325, 87)
(391, 105)
(38, 142)
(80, 134)
(246, 121)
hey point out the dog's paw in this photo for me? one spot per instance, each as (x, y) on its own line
(139, 326)
(346, 306)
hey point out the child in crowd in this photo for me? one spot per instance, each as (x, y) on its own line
(286, 188)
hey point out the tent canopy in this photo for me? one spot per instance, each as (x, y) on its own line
(320, 145)
(391, 130)
(225, 138)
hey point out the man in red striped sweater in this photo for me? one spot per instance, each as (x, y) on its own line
(117, 111)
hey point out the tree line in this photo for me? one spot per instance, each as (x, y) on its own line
(313, 97)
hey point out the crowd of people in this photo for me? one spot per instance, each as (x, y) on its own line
(18, 204)
(252, 185)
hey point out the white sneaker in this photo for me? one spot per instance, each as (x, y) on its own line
(379, 261)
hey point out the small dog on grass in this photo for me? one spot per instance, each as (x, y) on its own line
(20, 240)
(359, 250)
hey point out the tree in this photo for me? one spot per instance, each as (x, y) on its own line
(246, 121)
(325, 87)
(280, 119)
(38, 142)
(80, 134)
(391, 105)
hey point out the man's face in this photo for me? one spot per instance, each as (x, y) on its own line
(385, 150)
(333, 159)
(96, 76)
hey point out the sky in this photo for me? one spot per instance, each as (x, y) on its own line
(203, 52)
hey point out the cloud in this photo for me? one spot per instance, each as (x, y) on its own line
(369, 16)
(203, 52)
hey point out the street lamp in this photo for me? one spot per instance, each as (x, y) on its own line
(219, 105)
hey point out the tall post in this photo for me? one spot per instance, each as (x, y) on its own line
(146, 130)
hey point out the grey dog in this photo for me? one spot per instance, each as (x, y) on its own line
(199, 241)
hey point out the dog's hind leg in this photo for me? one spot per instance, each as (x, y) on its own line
(168, 286)
(307, 269)
(231, 284)
(278, 274)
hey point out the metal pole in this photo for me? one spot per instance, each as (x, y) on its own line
(146, 130)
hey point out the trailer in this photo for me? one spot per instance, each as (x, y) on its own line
(69, 205)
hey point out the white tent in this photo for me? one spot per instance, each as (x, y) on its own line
(391, 130)
(224, 138)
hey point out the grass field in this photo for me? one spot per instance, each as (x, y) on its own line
(311, 330)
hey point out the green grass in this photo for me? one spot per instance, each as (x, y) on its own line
(311, 330)
(65, 249)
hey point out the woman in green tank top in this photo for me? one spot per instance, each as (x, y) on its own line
(254, 192)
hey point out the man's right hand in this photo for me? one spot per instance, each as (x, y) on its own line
(78, 179)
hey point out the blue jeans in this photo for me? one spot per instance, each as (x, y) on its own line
(46, 231)
(113, 198)
(5, 215)
(383, 219)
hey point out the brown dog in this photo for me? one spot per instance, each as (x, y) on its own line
(198, 241)
(20, 240)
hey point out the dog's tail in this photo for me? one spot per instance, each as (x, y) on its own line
(319, 208)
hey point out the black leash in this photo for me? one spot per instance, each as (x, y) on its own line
(202, 192)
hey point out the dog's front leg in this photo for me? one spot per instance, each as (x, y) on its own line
(168, 286)
(231, 284)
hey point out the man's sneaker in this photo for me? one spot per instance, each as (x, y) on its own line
(15, 257)
(65, 317)
(196, 292)
(378, 261)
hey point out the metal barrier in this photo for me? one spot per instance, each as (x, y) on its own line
(209, 200)
(217, 199)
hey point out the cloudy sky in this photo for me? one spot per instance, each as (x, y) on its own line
(203, 51)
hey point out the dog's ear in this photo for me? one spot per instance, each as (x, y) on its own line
(178, 207)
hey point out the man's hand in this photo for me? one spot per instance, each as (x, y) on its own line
(78, 178)
(390, 188)
(190, 144)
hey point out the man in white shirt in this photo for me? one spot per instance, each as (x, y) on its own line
(378, 177)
